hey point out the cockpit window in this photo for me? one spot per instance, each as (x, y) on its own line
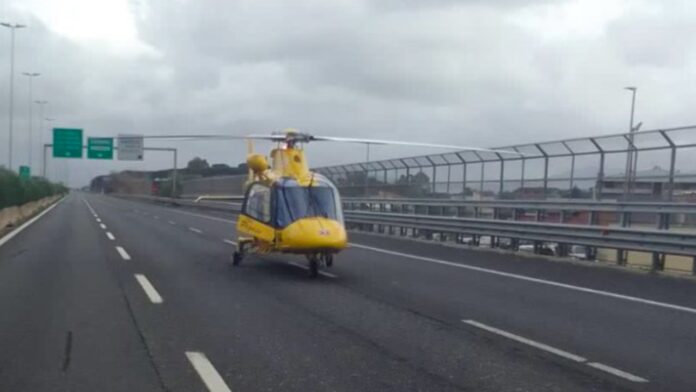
(258, 203)
(295, 202)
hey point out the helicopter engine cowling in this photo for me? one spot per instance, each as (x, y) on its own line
(257, 163)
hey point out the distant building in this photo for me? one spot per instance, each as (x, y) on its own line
(652, 184)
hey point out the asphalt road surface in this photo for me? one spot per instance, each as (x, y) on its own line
(107, 294)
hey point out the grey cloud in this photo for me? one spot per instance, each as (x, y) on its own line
(456, 72)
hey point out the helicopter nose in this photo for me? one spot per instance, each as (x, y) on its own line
(314, 233)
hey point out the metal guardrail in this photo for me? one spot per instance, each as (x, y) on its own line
(658, 242)
(545, 205)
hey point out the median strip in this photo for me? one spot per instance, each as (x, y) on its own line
(26, 224)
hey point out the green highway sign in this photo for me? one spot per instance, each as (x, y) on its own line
(100, 148)
(67, 143)
(25, 172)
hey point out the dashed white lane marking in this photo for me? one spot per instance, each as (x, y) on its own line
(229, 221)
(26, 224)
(156, 217)
(553, 350)
(171, 222)
(193, 229)
(103, 226)
(305, 267)
(149, 289)
(89, 207)
(529, 342)
(616, 372)
(98, 220)
(530, 279)
(123, 253)
(110, 236)
(225, 240)
(211, 378)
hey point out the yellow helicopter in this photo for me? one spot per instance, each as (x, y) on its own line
(287, 208)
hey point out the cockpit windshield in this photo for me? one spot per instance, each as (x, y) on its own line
(294, 201)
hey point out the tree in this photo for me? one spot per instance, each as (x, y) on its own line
(197, 165)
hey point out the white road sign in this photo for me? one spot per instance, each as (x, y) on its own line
(130, 147)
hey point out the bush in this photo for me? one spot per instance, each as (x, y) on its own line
(15, 191)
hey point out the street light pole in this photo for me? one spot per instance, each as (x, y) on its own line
(45, 158)
(12, 28)
(41, 121)
(31, 76)
(630, 155)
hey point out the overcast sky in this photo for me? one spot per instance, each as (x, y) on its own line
(471, 72)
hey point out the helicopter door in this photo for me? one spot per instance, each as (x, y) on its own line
(258, 203)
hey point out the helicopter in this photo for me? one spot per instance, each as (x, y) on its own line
(288, 208)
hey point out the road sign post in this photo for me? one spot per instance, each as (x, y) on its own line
(100, 148)
(130, 147)
(67, 143)
(24, 172)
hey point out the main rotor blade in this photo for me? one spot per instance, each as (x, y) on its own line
(402, 143)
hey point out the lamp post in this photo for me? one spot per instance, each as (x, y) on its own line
(45, 146)
(41, 122)
(12, 27)
(630, 166)
(30, 76)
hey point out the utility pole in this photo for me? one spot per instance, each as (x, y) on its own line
(12, 27)
(30, 76)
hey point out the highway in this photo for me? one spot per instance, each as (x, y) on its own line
(107, 294)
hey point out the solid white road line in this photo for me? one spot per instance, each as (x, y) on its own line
(305, 267)
(616, 372)
(530, 279)
(149, 289)
(529, 342)
(171, 222)
(110, 236)
(26, 224)
(193, 229)
(553, 350)
(103, 226)
(211, 378)
(123, 253)
(225, 240)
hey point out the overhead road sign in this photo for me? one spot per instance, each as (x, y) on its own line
(130, 147)
(24, 172)
(100, 148)
(67, 143)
